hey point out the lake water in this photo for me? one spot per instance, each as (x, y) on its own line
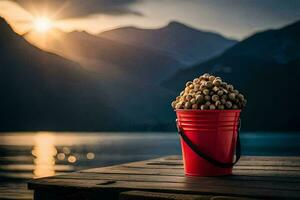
(30, 155)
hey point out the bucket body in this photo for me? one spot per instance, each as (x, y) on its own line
(214, 132)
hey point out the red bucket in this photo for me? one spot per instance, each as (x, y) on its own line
(208, 140)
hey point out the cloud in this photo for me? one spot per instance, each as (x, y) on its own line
(62, 9)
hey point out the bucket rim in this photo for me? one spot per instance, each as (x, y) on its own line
(205, 111)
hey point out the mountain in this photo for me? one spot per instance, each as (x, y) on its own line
(109, 57)
(43, 91)
(129, 76)
(182, 42)
(265, 67)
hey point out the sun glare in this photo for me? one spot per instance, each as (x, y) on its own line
(42, 24)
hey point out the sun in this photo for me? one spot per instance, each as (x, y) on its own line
(42, 24)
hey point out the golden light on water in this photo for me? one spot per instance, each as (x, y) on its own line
(90, 155)
(72, 159)
(44, 152)
(66, 150)
(42, 24)
(61, 156)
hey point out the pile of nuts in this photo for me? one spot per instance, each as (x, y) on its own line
(209, 93)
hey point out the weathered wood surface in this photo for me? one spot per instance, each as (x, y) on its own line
(253, 177)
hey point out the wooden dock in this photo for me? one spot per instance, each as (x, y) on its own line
(163, 178)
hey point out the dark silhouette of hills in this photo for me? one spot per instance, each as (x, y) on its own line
(112, 58)
(116, 86)
(265, 67)
(43, 91)
(129, 76)
(182, 42)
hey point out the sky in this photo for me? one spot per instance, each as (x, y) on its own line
(232, 18)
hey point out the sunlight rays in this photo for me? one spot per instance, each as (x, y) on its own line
(42, 24)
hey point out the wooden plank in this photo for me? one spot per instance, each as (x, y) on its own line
(159, 165)
(138, 195)
(248, 161)
(247, 158)
(63, 193)
(240, 163)
(162, 178)
(255, 177)
(175, 172)
(271, 184)
(166, 187)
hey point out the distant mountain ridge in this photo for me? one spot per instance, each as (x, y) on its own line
(281, 45)
(43, 91)
(265, 67)
(109, 55)
(187, 44)
(129, 76)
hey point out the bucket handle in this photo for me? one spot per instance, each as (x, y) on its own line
(208, 158)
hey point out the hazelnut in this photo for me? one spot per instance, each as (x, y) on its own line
(231, 96)
(196, 80)
(206, 75)
(224, 96)
(207, 103)
(215, 98)
(235, 107)
(194, 106)
(207, 97)
(196, 87)
(187, 105)
(199, 99)
(215, 89)
(228, 104)
(202, 87)
(211, 78)
(198, 92)
(204, 107)
(241, 97)
(220, 92)
(223, 101)
(209, 84)
(193, 101)
(221, 107)
(174, 104)
(205, 92)
(212, 107)
(188, 83)
(217, 103)
(217, 82)
(219, 78)
(188, 97)
(229, 87)
(179, 105)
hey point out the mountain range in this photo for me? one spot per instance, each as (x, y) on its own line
(43, 91)
(187, 44)
(125, 79)
(265, 67)
(111, 59)
(128, 73)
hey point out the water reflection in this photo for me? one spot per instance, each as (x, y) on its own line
(72, 159)
(61, 156)
(44, 153)
(27, 155)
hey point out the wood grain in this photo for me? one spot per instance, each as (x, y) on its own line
(253, 177)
